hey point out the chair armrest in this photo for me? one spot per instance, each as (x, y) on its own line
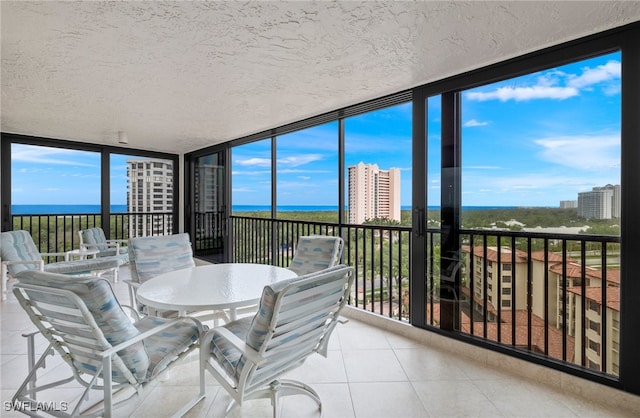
(117, 241)
(247, 351)
(58, 254)
(102, 244)
(64, 254)
(40, 263)
(131, 283)
(136, 314)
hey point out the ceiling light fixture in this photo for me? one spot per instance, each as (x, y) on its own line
(122, 137)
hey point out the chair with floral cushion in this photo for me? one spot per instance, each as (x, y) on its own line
(295, 319)
(104, 349)
(95, 239)
(315, 253)
(18, 252)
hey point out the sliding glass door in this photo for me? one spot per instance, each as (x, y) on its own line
(209, 212)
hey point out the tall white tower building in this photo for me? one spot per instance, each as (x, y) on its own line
(596, 204)
(150, 197)
(373, 193)
(615, 198)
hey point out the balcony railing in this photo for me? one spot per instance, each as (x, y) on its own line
(533, 292)
(59, 232)
(553, 296)
(379, 254)
(513, 286)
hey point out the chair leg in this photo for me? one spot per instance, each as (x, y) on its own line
(108, 395)
(278, 389)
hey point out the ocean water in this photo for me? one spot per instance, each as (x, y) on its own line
(84, 209)
(91, 209)
(62, 209)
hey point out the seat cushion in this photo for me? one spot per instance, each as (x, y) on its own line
(226, 354)
(98, 296)
(164, 347)
(83, 266)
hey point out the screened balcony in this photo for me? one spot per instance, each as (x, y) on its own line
(202, 143)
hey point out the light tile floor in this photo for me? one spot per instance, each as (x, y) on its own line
(369, 372)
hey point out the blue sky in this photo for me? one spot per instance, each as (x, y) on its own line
(46, 176)
(528, 141)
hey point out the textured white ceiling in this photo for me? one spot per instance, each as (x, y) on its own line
(178, 76)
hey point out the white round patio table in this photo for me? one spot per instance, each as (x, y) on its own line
(210, 287)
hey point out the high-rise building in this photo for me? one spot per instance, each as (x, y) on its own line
(600, 203)
(533, 287)
(615, 198)
(150, 197)
(373, 193)
(568, 204)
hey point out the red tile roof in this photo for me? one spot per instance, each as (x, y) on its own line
(595, 293)
(492, 254)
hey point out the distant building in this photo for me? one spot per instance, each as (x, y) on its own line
(373, 193)
(568, 204)
(600, 203)
(533, 287)
(615, 199)
(150, 197)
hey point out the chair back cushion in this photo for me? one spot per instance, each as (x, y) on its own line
(18, 246)
(94, 236)
(316, 252)
(294, 318)
(113, 325)
(151, 256)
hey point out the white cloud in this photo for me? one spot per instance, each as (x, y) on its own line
(304, 177)
(292, 161)
(242, 190)
(557, 85)
(582, 152)
(524, 93)
(251, 173)
(258, 162)
(483, 167)
(46, 155)
(301, 171)
(606, 72)
(473, 123)
(298, 160)
(524, 182)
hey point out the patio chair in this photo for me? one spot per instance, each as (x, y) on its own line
(106, 351)
(18, 252)
(312, 253)
(315, 253)
(95, 239)
(295, 319)
(151, 256)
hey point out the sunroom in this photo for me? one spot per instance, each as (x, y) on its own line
(477, 159)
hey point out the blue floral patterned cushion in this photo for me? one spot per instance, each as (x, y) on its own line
(97, 295)
(315, 253)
